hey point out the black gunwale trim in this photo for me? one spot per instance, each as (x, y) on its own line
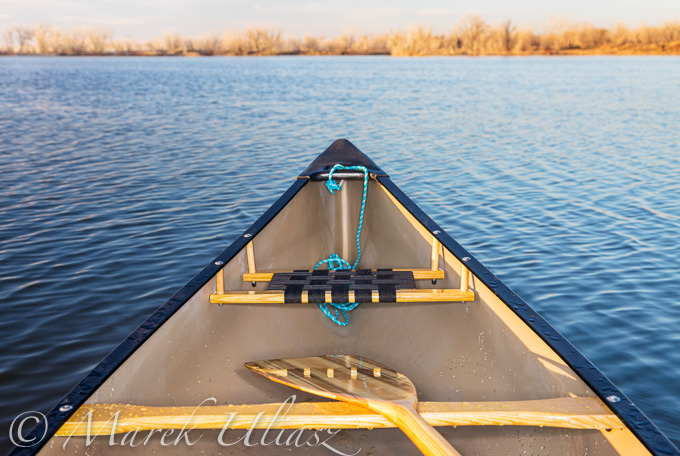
(93, 380)
(655, 441)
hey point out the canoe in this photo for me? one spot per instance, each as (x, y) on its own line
(344, 263)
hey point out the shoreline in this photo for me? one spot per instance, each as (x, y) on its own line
(473, 37)
(563, 53)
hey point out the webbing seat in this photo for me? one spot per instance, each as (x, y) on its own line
(340, 286)
(340, 282)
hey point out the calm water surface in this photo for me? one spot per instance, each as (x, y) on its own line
(120, 178)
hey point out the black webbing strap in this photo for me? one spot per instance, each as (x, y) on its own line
(387, 293)
(384, 274)
(340, 292)
(316, 295)
(363, 295)
(293, 293)
(320, 272)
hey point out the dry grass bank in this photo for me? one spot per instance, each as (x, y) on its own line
(473, 36)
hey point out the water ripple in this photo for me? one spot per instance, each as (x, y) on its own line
(560, 174)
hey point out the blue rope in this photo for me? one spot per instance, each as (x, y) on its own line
(334, 262)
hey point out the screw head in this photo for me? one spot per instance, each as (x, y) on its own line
(247, 235)
(466, 259)
(613, 399)
(65, 408)
(219, 263)
(436, 232)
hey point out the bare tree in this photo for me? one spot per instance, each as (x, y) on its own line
(99, 39)
(212, 45)
(8, 35)
(671, 31)
(474, 28)
(233, 43)
(526, 41)
(263, 40)
(23, 36)
(508, 35)
(42, 34)
(347, 40)
(621, 34)
(311, 44)
(208, 45)
(396, 43)
(365, 44)
(173, 44)
(75, 42)
(126, 47)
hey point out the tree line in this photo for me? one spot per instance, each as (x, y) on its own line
(472, 36)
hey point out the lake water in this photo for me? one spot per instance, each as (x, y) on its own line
(120, 178)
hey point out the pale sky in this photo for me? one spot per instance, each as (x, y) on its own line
(144, 19)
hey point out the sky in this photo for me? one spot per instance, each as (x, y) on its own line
(145, 19)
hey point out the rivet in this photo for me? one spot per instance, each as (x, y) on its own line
(247, 235)
(613, 399)
(436, 232)
(466, 259)
(66, 408)
(219, 263)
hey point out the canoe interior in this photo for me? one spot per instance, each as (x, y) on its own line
(475, 351)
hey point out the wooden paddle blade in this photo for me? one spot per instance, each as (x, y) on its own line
(359, 381)
(343, 377)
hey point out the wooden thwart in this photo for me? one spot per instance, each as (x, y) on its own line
(570, 413)
(277, 297)
(418, 274)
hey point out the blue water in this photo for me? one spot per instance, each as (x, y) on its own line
(120, 178)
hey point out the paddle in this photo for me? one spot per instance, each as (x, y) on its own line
(359, 381)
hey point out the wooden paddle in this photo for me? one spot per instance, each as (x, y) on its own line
(359, 381)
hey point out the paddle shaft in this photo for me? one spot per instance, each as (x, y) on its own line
(425, 437)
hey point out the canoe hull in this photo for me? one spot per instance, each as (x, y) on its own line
(495, 348)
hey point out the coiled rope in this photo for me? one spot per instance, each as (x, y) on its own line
(334, 261)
